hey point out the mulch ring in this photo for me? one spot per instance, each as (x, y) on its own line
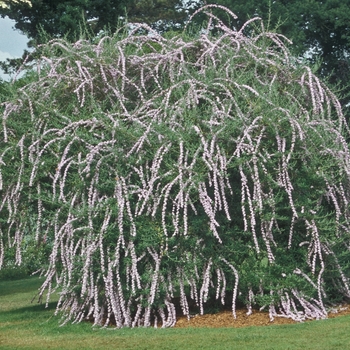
(257, 318)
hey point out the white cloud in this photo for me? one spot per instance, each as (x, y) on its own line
(4, 55)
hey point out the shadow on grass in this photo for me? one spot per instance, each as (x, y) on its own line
(35, 313)
(32, 309)
(30, 284)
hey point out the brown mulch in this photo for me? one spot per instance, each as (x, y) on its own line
(257, 318)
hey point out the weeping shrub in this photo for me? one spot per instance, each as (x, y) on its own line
(200, 167)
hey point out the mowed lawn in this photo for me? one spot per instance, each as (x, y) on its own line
(26, 325)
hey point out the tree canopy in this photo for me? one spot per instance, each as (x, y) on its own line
(7, 3)
(45, 19)
(318, 29)
(69, 18)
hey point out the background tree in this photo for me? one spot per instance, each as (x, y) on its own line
(161, 15)
(320, 31)
(6, 3)
(45, 19)
(69, 18)
(64, 18)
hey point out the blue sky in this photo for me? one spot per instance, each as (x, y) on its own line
(12, 42)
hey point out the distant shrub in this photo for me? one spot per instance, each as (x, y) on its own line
(13, 273)
(184, 168)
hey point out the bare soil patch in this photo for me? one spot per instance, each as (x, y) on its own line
(257, 318)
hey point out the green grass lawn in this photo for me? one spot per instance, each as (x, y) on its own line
(26, 325)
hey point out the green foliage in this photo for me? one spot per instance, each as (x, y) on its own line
(152, 169)
(319, 31)
(13, 273)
